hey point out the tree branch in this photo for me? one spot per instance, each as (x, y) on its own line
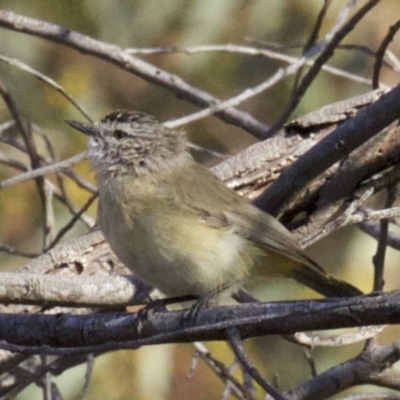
(124, 60)
(67, 334)
(347, 137)
(72, 291)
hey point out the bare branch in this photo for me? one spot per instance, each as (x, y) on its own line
(24, 67)
(373, 230)
(48, 169)
(352, 372)
(347, 137)
(72, 291)
(110, 331)
(237, 346)
(381, 52)
(328, 44)
(130, 63)
(253, 51)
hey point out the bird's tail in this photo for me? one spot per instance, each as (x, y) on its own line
(307, 272)
(323, 283)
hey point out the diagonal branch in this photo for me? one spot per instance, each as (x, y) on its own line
(347, 137)
(123, 59)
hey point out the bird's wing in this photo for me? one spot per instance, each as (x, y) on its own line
(220, 207)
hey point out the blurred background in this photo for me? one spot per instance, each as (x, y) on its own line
(164, 372)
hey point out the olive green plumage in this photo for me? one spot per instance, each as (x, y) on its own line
(176, 225)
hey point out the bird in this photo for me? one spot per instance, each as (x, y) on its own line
(179, 228)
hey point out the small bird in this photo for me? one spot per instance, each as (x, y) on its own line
(176, 225)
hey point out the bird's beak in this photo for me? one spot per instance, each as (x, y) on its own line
(87, 129)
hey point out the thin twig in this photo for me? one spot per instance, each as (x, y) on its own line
(77, 215)
(236, 344)
(240, 49)
(27, 136)
(373, 229)
(235, 387)
(49, 217)
(245, 95)
(326, 49)
(381, 53)
(310, 361)
(342, 220)
(317, 26)
(122, 59)
(24, 67)
(88, 375)
(379, 257)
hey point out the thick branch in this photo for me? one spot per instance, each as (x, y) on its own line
(347, 137)
(361, 369)
(65, 334)
(72, 291)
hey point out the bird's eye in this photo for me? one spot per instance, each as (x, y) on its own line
(118, 134)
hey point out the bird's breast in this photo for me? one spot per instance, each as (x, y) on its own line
(174, 251)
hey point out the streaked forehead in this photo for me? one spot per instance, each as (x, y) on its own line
(129, 117)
